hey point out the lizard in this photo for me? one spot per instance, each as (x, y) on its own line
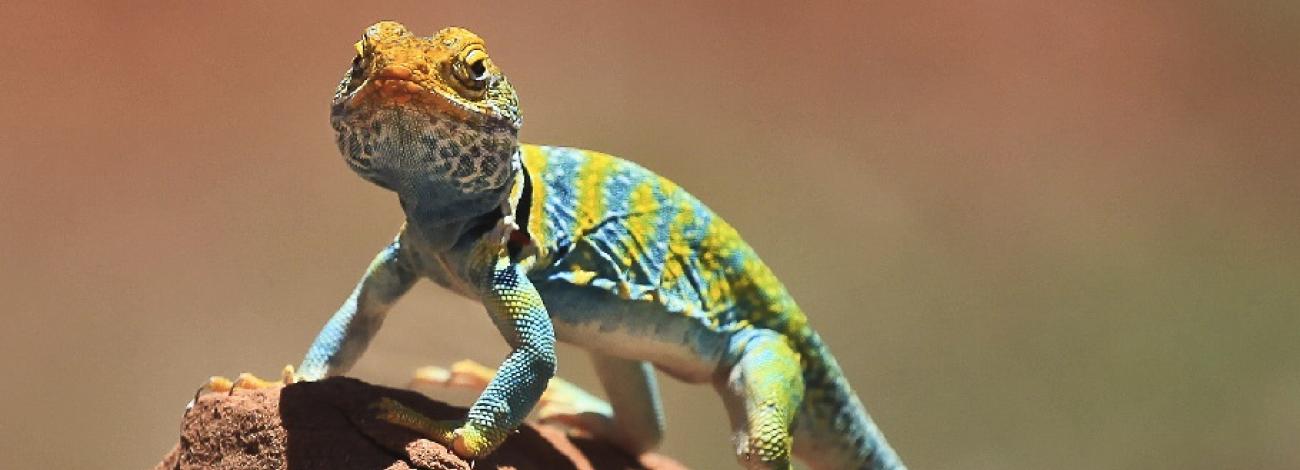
(573, 245)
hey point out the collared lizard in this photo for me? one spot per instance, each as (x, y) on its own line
(576, 246)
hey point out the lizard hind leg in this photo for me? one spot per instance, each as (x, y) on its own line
(762, 391)
(562, 402)
(633, 421)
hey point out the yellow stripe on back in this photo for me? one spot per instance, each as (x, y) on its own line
(591, 189)
(641, 222)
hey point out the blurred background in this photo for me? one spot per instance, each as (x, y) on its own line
(1036, 234)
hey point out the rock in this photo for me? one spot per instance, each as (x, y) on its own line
(329, 425)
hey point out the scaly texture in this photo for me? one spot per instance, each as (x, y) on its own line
(579, 246)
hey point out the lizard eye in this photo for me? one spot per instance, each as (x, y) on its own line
(473, 69)
(359, 61)
(358, 67)
(478, 70)
(355, 76)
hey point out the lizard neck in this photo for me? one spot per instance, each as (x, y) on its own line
(445, 214)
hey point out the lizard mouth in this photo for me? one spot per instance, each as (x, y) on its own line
(396, 86)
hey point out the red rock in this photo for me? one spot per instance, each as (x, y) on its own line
(329, 425)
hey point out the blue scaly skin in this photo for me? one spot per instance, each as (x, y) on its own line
(576, 246)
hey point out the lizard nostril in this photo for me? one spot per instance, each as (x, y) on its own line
(395, 72)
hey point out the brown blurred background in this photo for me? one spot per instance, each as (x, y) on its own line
(1037, 234)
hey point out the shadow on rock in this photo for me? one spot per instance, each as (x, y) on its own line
(330, 425)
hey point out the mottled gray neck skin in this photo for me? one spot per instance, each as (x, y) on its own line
(443, 214)
(447, 173)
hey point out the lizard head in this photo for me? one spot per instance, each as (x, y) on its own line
(428, 116)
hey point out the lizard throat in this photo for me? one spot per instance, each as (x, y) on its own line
(413, 151)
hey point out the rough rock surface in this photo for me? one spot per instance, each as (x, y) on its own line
(327, 425)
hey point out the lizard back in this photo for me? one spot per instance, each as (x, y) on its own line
(599, 221)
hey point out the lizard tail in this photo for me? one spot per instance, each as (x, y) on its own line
(834, 430)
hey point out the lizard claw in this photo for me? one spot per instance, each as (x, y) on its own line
(244, 381)
(247, 381)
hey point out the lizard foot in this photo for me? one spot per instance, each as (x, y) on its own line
(244, 381)
(562, 403)
(247, 381)
(465, 440)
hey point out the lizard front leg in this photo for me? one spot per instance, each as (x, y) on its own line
(341, 342)
(348, 332)
(517, 310)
